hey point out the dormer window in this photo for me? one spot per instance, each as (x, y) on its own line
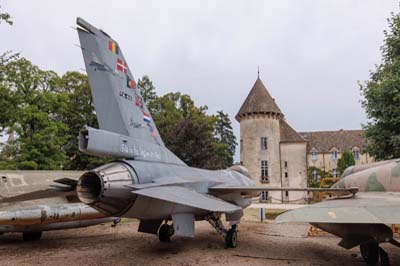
(334, 153)
(313, 154)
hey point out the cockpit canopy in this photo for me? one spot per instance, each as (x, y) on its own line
(241, 169)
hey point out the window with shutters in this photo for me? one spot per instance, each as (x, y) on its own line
(264, 171)
(264, 143)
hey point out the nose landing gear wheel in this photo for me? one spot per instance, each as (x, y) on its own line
(165, 232)
(370, 253)
(231, 238)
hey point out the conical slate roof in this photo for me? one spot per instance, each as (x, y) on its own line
(288, 134)
(259, 101)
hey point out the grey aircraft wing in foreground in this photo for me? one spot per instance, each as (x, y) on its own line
(148, 182)
(34, 216)
(364, 220)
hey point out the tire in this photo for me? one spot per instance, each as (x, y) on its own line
(370, 253)
(165, 232)
(384, 258)
(231, 238)
(31, 236)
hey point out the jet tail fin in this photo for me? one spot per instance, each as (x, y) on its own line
(120, 108)
(118, 102)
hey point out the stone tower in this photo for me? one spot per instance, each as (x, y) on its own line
(272, 151)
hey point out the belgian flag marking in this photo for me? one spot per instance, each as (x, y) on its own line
(113, 47)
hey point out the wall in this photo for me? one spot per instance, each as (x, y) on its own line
(295, 154)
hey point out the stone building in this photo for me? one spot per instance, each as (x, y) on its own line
(325, 148)
(272, 151)
(276, 155)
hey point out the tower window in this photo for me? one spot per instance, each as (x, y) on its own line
(286, 174)
(286, 193)
(286, 164)
(264, 143)
(264, 171)
(241, 145)
(264, 195)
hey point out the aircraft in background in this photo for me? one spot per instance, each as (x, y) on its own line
(149, 182)
(31, 218)
(363, 220)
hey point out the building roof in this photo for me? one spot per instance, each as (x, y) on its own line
(259, 101)
(288, 134)
(324, 141)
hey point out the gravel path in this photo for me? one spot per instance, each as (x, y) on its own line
(259, 244)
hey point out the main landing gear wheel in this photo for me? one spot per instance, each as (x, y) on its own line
(231, 238)
(165, 232)
(370, 253)
(31, 236)
(230, 235)
(384, 257)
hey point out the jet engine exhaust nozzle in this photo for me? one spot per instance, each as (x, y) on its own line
(106, 188)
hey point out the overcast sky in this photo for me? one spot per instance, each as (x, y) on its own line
(310, 53)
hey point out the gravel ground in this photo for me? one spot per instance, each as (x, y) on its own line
(259, 244)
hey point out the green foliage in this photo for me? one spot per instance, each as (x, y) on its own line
(35, 118)
(345, 161)
(7, 99)
(6, 17)
(43, 113)
(187, 130)
(200, 140)
(225, 137)
(382, 96)
(320, 174)
(147, 90)
(78, 112)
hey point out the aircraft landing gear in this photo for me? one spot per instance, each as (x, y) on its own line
(115, 222)
(371, 253)
(230, 235)
(31, 236)
(165, 232)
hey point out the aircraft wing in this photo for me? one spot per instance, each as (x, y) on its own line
(364, 208)
(64, 187)
(39, 194)
(188, 197)
(247, 190)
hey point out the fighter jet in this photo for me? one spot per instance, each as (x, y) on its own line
(148, 182)
(363, 220)
(32, 217)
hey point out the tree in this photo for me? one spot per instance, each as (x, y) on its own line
(345, 161)
(79, 112)
(36, 121)
(148, 91)
(224, 135)
(187, 130)
(7, 99)
(6, 17)
(382, 96)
